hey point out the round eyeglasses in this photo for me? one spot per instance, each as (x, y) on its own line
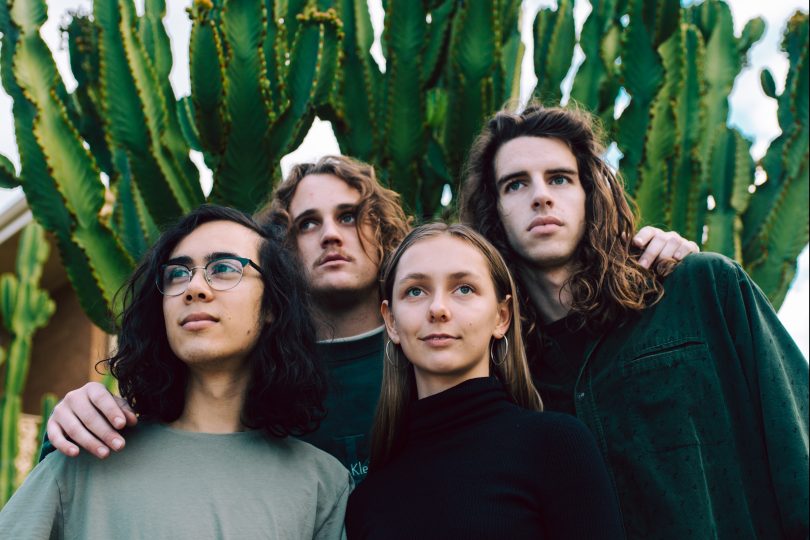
(221, 274)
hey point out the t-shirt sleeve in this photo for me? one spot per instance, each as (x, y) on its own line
(329, 526)
(778, 380)
(34, 512)
(578, 498)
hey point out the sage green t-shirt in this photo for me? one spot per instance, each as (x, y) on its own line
(176, 484)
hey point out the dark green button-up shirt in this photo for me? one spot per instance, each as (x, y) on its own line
(700, 407)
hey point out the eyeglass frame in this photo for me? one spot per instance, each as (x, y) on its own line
(244, 261)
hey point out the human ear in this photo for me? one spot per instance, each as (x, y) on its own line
(504, 317)
(390, 325)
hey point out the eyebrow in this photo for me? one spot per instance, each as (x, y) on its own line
(417, 276)
(185, 260)
(559, 170)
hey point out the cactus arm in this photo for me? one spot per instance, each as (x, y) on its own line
(49, 401)
(553, 32)
(310, 78)
(513, 52)
(208, 89)
(786, 237)
(245, 170)
(771, 238)
(354, 111)
(8, 176)
(689, 188)
(156, 45)
(731, 172)
(25, 308)
(643, 73)
(441, 14)
(84, 63)
(405, 31)
(73, 169)
(180, 174)
(593, 75)
(126, 122)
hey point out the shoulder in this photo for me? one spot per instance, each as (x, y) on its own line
(553, 430)
(312, 460)
(705, 263)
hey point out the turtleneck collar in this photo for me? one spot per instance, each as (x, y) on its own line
(462, 405)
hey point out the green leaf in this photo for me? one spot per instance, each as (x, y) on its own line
(8, 176)
(768, 84)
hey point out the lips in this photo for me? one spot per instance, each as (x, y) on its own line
(438, 340)
(331, 257)
(542, 221)
(195, 320)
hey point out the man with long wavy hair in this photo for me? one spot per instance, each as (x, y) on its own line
(695, 392)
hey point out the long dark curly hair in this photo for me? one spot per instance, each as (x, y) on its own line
(287, 384)
(608, 282)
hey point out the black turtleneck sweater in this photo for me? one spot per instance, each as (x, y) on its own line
(475, 465)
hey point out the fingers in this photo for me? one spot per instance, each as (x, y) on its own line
(644, 235)
(653, 250)
(661, 246)
(685, 248)
(87, 417)
(129, 414)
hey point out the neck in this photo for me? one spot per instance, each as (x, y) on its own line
(429, 384)
(213, 402)
(547, 291)
(341, 320)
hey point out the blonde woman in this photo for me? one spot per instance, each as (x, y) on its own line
(460, 448)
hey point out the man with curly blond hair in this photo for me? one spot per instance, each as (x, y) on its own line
(694, 391)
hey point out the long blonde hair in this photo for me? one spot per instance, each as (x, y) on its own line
(398, 384)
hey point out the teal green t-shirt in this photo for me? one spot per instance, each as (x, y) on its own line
(176, 484)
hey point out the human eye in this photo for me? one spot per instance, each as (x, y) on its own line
(465, 290)
(413, 292)
(513, 185)
(348, 218)
(224, 267)
(175, 274)
(307, 225)
(559, 180)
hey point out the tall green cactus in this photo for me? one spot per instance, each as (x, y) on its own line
(261, 70)
(24, 308)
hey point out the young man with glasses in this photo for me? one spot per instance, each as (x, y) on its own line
(342, 223)
(694, 391)
(216, 354)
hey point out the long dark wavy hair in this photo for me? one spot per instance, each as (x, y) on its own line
(608, 282)
(287, 384)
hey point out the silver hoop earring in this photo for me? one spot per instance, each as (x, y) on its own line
(502, 359)
(388, 358)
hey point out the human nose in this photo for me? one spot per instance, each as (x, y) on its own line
(541, 196)
(198, 286)
(330, 233)
(438, 310)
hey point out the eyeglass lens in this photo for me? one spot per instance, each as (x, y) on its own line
(221, 274)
